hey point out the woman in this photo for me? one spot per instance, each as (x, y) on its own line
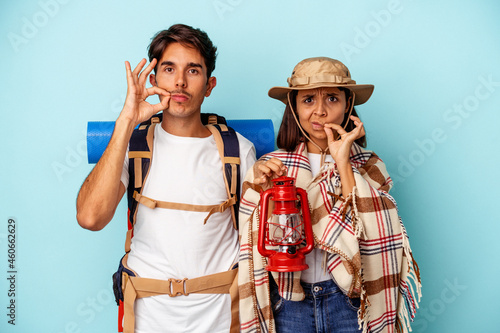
(361, 274)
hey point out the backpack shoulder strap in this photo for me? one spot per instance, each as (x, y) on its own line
(229, 152)
(212, 118)
(141, 152)
(140, 155)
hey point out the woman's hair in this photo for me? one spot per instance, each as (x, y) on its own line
(289, 134)
(187, 36)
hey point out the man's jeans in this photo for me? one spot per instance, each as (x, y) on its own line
(325, 309)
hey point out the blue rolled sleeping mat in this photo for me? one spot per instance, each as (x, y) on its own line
(259, 131)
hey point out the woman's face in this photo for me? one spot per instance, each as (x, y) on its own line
(316, 107)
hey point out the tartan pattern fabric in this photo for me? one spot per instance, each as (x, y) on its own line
(368, 252)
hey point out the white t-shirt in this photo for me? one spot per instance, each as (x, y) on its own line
(176, 244)
(315, 273)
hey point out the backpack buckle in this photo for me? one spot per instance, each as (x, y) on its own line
(177, 287)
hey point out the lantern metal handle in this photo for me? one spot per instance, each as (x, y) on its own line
(262, 225)
(307, 226)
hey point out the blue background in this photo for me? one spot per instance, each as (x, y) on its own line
(433, 118)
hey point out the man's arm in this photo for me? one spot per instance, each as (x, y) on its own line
(102, 191)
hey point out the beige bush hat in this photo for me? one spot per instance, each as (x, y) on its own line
(322, 72)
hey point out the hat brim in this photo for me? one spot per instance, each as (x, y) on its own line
(362, 91)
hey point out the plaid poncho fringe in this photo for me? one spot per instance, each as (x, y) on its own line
(368, 252)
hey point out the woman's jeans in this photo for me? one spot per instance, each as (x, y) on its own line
(325, 309)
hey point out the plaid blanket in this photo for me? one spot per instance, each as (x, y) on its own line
(368, 252)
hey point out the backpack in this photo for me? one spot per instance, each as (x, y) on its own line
(140, 155)
(140, 160)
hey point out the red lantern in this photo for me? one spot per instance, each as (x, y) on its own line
(286, 228)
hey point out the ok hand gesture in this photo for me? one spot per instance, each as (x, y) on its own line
(136, 108)
(340, 147)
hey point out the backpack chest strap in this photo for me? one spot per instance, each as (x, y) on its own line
(211, 209)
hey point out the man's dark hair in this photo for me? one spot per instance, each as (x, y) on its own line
(187, 36)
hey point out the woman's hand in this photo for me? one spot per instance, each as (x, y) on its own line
(340, 147)
(266, 171)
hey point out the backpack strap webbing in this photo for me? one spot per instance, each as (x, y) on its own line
(151, 203)
(135, 287)
(140, 155)
(229, 151)
(141, 152)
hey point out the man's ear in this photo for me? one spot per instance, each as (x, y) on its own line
(212, 82)
(152, 80)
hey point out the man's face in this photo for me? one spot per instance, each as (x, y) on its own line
(182, 72)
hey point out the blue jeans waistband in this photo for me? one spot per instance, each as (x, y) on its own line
(320, 288)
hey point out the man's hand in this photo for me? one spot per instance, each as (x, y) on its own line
(136, 108)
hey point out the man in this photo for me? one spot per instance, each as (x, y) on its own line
(185, 168)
